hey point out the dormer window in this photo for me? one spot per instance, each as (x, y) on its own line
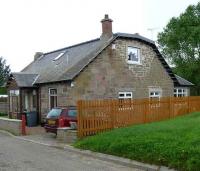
(59, 56)
(133, 55)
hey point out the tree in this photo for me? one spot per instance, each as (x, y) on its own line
(4, 71)
(180, 44)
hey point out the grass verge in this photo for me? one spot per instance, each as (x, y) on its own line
(174, 143)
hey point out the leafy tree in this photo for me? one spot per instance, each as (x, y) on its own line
(4, 71)
(180, 44)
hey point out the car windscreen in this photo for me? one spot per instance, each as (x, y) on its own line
(54, 113)
(72, 112)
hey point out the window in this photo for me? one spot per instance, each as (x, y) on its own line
(54, 113)
(122, 103)
(34, 99)
(14, 101)
(154, 93)
(125, 95)
(72, 113)
(14, 92)
(58, 57)
(133, 55)
(180, 92)
(52, 98)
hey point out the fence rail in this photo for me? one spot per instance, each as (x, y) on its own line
(96, 116)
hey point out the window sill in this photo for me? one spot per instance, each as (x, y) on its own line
(133, 63)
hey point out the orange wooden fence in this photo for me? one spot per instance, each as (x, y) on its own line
(96, 116)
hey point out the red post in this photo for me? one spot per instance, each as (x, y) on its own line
(61, 122)
(23, 125)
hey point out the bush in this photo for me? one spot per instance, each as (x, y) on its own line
(3, 90)
(3, 114)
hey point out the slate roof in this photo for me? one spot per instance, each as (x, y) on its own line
(134, 36)
(58, 70)
(183, 82)
(75, 58)
(24, 79)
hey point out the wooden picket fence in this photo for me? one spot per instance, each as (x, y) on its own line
(96, 116)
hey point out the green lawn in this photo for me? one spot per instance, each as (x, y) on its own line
(174, 143)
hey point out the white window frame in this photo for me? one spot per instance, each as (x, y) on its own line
(155, 96)
(183, 92)
(54, 95)
(14, 92)
(138, 53)
(155, 91)
(126, 96)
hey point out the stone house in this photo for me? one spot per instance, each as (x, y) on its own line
(116, 65)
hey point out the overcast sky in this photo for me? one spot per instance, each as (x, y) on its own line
(29, 26)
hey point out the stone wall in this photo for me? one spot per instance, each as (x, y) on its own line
(110, 73)
(66, 135)
(63, 96)
(4, 107)
(11, 125)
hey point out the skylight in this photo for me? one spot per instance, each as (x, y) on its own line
(58, 57)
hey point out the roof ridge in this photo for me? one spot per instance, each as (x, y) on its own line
(136, 36)
(92, 40)
(82, 43)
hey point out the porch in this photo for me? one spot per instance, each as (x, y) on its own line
(24, 101)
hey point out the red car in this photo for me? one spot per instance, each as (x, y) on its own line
(60, 116)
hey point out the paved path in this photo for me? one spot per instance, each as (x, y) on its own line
(19, 155)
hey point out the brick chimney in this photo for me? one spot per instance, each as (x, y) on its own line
(106, 28)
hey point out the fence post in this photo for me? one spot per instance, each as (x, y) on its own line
(112, 106)
(171, 107)
(145, 110)
(79, 106)
(188, 104)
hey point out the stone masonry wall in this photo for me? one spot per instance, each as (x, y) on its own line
(11, 125)
(62, 93)
(4, 107)
(110, 73)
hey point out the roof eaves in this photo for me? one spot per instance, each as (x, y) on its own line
(184, 81)
(52, 82)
